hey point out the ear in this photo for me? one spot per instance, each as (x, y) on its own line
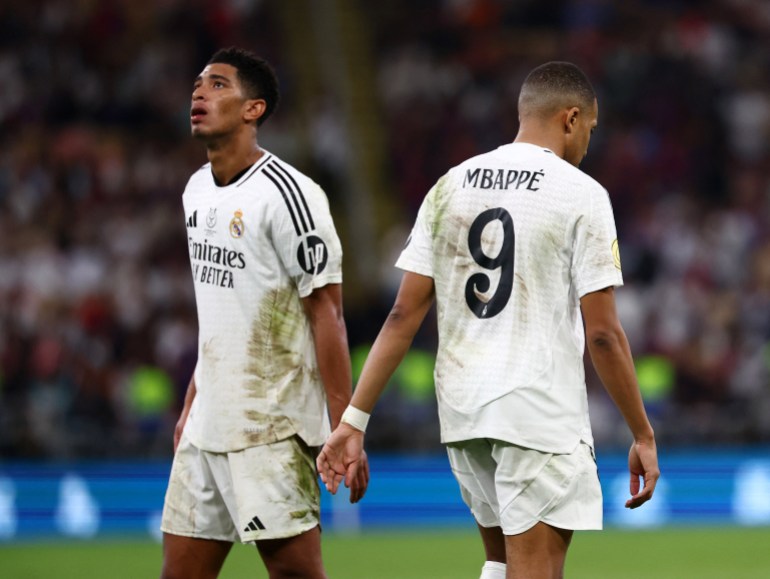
(570, 117)
(254, 109)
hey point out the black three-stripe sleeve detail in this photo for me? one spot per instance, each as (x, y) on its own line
(286, 200)
(272, 167)
(299, 192)
(255, 169)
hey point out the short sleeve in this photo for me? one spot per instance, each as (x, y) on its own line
(596, 259)
(306, 240)
(417, 256)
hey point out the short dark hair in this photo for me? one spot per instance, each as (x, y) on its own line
(255, 74)
(554, 86)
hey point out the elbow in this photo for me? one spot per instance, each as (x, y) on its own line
(603, 339)
(397, 314)
(399, 320)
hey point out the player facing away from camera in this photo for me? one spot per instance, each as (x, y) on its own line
(512, 245)
(272, 351)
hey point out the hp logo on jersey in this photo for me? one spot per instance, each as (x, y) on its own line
(312, 254)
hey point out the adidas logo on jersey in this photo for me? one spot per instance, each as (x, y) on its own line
(254, 525)
(193, 220)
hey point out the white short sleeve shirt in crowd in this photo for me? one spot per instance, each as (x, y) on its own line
(257, 246)
(513, 239)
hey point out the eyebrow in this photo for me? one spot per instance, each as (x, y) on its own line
(199, 78)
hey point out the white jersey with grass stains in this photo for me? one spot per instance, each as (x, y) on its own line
(257, 246)
(513, 239)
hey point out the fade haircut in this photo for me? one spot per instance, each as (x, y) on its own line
(255, 74)
(555, 86)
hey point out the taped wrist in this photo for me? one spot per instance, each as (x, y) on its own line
(356, 418)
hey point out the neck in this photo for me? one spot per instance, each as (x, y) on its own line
(541, 136)
(230, 157)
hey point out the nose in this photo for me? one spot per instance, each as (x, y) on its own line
(197, 93)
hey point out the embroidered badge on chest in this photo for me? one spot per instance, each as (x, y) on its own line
(236, 225)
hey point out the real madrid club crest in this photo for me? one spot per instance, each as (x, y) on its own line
(236, 224)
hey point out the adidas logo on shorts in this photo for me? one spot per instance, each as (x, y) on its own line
(254, 525)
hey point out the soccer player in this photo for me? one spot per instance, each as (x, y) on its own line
(266, 265)
(513, 245)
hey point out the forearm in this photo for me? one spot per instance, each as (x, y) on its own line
(611, 356)
(189, 395)
(386, 354)
(331, 347)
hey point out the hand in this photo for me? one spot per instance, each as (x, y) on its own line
(179, 428)
(642, 462)
(343, 457)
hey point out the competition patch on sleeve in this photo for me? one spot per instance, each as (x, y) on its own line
(616, 253)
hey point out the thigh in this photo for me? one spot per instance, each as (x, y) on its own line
(275, 488)
(556, 489)
(192, 558)
(298, 556)
(474, 469)
(581, 506)
(196, 498)
(538, 553)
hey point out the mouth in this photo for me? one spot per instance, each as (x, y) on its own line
(196, 114)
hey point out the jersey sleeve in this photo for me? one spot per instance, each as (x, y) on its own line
(417, 255)
(596, 260)
(306, 240)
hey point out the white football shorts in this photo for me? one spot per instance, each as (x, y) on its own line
(513, 487)
(263, 492)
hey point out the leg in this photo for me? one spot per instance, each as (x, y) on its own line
(298, 556)
(494, 543)
(538, 553)
(494, 551)
(192, 558)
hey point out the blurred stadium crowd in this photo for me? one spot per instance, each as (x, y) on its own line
(97, 320)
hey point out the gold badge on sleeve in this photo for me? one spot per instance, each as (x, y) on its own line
(616, 253)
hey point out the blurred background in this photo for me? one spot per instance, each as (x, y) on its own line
(379, 99)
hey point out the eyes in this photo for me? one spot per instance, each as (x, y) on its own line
(215, 83)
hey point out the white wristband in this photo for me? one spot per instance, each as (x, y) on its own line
(356, 418)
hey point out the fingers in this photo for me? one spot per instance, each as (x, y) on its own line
(358, 479)
(352, 482)
(634, 485)
(329, 476)
(638, 498)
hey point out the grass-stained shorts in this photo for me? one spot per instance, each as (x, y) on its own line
(263, 492)
(515, 488)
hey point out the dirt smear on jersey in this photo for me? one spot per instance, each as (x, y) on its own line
(278, 325)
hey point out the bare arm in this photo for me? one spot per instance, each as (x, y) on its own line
(414, 299)
(611, 356)
(340, 457)
(188, 400)
(324, 310)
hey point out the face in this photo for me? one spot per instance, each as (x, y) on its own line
(577, 143)
(218, 103)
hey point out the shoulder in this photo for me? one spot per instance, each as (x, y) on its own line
(201, 177)
(292, 184)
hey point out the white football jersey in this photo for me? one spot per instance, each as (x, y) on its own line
(513, 239)
(256, 247)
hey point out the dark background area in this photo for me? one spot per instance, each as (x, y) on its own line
(97, 317)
